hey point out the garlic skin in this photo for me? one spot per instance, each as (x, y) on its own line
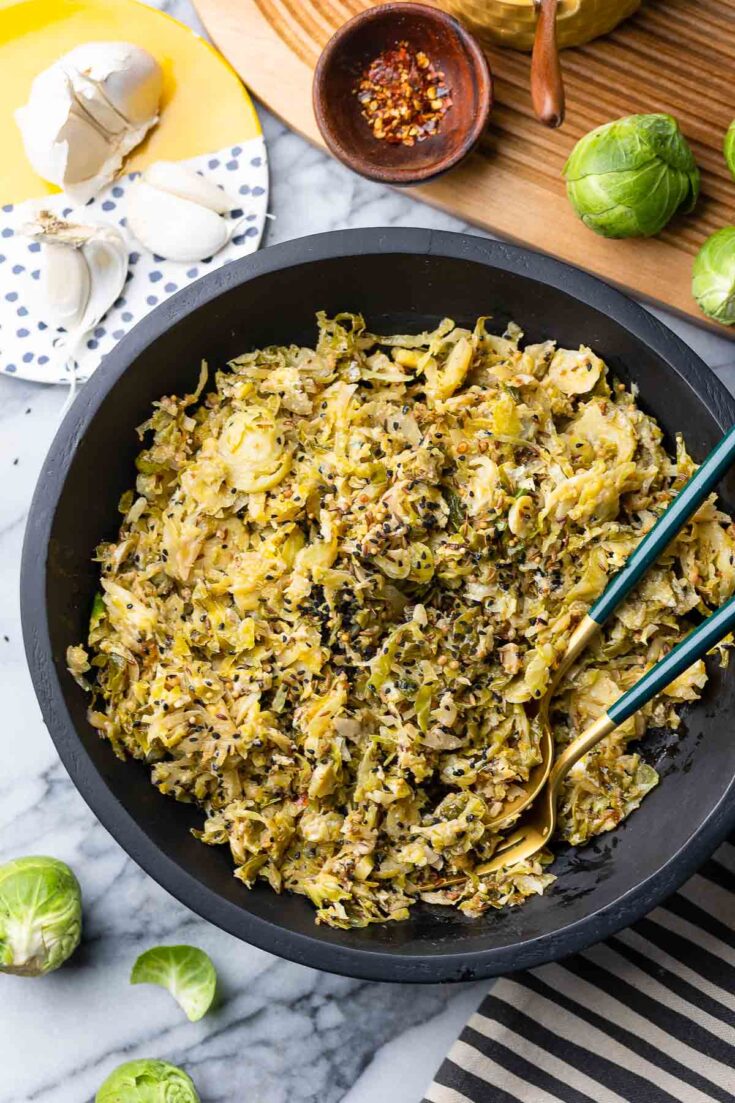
(83, 273)
(176, 213)
(178, 179)
(87, 112)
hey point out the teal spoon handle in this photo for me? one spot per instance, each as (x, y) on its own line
(692, 647)
(669, 524)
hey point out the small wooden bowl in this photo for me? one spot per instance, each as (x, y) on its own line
(346, 56)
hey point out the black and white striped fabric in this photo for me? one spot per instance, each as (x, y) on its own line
(646, 1017)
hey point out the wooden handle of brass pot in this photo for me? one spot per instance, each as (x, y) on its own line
(547, 85)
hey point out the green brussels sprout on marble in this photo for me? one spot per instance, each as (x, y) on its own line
(40, 915)
(629, 177)
(147, 1081)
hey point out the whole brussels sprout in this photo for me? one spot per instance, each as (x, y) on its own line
(713, 276)
(627, 178)
(729, 147)
(147, 1081)
(40, 915)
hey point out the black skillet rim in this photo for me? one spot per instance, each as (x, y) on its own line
(305, 949)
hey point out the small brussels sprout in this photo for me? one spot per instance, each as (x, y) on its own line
(628, 177)
(713, 276)
(728, 147)
(186, 971)
(40, 915)
(147, 1081)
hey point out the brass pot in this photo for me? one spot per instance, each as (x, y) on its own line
(513, 22)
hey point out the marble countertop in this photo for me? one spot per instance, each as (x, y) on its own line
(282, 1033)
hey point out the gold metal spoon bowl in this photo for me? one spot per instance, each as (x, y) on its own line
(669, 524)
(537, 827)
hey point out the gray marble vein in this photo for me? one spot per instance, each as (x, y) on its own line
(281, 1033)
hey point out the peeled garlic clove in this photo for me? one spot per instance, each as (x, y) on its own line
(177, 179)
(64, 285)
(172, 227)
(87, 111)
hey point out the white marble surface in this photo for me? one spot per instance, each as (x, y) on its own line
(282, 1033)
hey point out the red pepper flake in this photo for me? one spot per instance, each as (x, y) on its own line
(403, 97)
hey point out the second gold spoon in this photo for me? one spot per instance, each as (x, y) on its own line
(669, 524)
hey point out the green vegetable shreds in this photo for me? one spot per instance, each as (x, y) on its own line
(343, 573)
(629, 177)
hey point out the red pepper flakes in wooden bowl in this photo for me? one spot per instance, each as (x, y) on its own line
(403, 96)
(394, 76)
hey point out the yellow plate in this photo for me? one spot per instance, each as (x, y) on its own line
(204, 106)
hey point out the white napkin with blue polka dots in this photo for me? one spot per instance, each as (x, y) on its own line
(26, 340)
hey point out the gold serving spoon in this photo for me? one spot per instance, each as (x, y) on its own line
(537, 827)
(669, 524)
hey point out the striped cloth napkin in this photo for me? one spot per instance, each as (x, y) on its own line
(646, 1017)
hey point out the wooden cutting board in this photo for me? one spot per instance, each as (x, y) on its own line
(673, 55)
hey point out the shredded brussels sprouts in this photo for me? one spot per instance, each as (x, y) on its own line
(342, 573)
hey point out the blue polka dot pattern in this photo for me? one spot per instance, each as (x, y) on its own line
(34, 350)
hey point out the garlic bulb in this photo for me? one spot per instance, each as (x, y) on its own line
(83, 273)
(176, 213)
(87, 112)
